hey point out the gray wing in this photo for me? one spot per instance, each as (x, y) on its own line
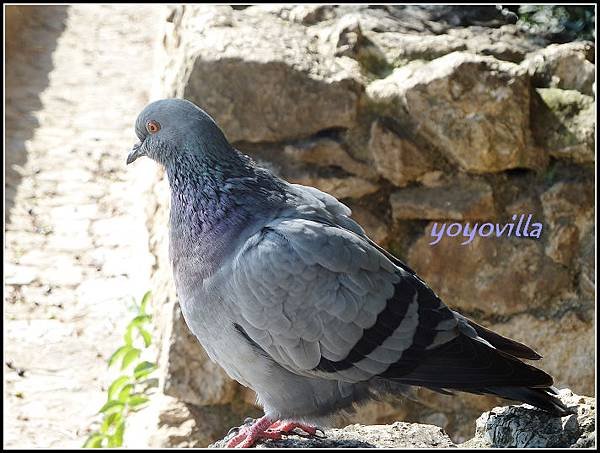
(321, 300)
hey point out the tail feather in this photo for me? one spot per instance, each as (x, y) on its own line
(505, 344)
(467, 365)
(543, 398)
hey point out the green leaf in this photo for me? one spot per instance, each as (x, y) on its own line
(112, 406)
(131, 355)
(118, 354)
(141, 319)
(144, 369)
(127, 337)
(145, 301)
(94, 441)
(137, 400)
(125, 392)
(110, 420)
(146, 336)
(116, 386)
(116, 439)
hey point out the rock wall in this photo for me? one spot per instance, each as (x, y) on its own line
(412, 116)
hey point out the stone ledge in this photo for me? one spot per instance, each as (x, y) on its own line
(508, 427)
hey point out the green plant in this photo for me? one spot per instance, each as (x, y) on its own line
(130, 391)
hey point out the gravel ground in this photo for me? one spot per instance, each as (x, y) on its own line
(76, 244)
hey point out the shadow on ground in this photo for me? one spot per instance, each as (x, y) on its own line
(31, 36)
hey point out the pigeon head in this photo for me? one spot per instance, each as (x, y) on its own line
(173, 131)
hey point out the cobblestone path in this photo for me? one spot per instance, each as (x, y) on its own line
(76, 245)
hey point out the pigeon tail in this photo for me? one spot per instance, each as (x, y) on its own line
(468, 365)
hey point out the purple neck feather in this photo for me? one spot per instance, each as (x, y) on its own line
(211, 203)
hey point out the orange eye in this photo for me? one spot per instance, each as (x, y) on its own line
(152, 126)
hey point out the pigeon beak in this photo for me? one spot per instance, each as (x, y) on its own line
(136, 152)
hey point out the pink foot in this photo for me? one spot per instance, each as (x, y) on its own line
(248, 435)
(265, 428)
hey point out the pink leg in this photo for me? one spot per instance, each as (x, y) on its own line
(248, 435)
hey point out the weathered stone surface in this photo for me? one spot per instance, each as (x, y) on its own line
(327, 152)
(474, 109)
(507, 426)
(215, 54)
(508, 42)
(397, 159)
(568, 208)
(375, 227)
(171, 423)
(564, 123)
(587, 266)
(470, 200)
(562, 244)
(505, 43)
(401, 48)
(569, 202)
(302, 14)
(524, 427)
(298, 164)
(563, 339)
(475, 281)
(397, 435)
(339, 187)
(554, 67)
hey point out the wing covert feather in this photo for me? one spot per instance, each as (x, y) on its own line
(321, 300)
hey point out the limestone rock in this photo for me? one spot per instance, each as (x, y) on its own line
(302, 14)
(508, 42)
(563, 339)
(401, 48)
(339, 187)
(475, 109)
(312, 163)
(508, 426)
(397, 435)
(375, 227)
(504, 43)
(397, 159)
(569, 202)
(470, 278)
(471, 200)
(525, 427)
(568, 208)
(327, 152)
(170, 423)
(587, 274)
(215, 54)
(564, 123)
(566, 66)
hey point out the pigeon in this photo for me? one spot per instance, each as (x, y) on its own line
(290, 296)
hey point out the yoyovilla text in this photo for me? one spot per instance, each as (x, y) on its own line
(519, 227)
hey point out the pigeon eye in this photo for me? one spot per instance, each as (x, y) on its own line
(152, 126)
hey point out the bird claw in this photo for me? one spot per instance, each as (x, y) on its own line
(298, 429)
(245, 436)
(308, 435)
(320, 436)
